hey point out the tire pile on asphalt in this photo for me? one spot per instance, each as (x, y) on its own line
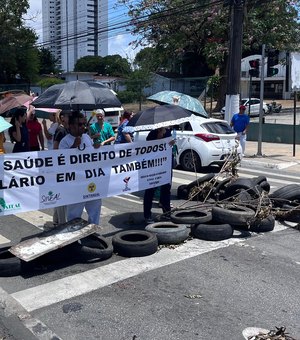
(240, 204)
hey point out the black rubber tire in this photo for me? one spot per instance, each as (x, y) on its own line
(58, 257)
(212, 231)
(259, 179)
(290, 192)
(191, 216)
(265, 186)
(218, 191)
(291, 215)
(242, 183)
(135, 243)
(182, 192)
(95, 247)
(200, 180)
(10, 265)
(264, 225)
(186, 161)
(168, 232)
(235, 215)
(243, 196)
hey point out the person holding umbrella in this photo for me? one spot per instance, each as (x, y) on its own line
(77, 138)
(165, 189)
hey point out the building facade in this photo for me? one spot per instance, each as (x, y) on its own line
(73, 29)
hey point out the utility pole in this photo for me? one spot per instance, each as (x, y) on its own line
(261, 112)
(234, 58)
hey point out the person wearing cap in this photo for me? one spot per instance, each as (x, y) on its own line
(101, 132)
(240, 122)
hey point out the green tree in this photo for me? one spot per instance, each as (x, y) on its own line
(203, 27)
(151, 59)
(113, 65)
(18, 54)
(90, 64)
(47, 62)
(49, 81)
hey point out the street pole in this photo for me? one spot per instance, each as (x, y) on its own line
(261, 112)
(234, 59)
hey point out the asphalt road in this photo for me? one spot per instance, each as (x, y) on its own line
(198, 290)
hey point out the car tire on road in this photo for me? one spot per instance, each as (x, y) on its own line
(235, 215)
(94, 247)
(10, 265)
(283, 195)
(212, 231)
(168, 232)
(182, 192)
(264, 225)
(135, 243)
(191, 216)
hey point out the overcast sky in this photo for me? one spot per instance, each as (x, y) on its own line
(117, 44)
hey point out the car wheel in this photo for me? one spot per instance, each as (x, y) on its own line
(190, 161)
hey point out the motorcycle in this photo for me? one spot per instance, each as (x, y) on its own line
(273, 107)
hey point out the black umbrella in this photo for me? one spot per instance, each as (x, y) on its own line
(77, 95)
(159, 116)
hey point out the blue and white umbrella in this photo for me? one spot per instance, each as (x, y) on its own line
(173, 97)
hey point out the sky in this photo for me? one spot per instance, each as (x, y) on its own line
(117, 43)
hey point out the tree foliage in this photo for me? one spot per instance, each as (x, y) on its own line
(47, 62)
(203, 27)
(49, 81)
(112, 65)
(18, 54)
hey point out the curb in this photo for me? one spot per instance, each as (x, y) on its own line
(20, 323)
(267, 165)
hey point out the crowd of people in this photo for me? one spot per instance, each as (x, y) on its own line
(66, 130)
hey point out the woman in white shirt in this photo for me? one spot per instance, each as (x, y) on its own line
(49, 132)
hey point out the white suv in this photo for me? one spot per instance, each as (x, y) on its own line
(252, 106)
(202, 142)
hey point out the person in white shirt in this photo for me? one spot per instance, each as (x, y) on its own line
(49, 132)
(77, 138)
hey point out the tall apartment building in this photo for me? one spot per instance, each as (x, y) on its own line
(73, 29)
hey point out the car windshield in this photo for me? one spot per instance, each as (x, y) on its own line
(243, 101)
(218, 127)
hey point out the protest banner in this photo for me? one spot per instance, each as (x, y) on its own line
(47, 179)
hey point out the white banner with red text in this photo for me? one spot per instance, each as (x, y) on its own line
(48, 179)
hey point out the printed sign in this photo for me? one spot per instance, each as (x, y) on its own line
(47, 179)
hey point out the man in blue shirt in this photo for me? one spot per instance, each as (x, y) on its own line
(240, 122)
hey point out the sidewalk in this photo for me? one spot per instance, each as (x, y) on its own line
(274, 156)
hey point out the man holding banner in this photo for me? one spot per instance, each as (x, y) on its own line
(77, 138)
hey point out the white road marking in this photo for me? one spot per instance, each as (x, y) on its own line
(36, 218)
(69, 287)
(4, 240)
